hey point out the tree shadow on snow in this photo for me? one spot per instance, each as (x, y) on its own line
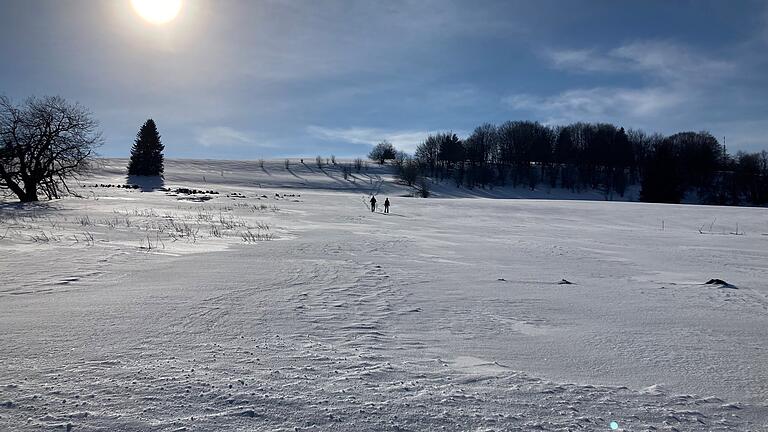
(337, 180)
(296, 175)
(29, 209)
(146, 183)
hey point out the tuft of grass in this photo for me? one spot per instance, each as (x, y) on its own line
(249, 236)
(215, 231)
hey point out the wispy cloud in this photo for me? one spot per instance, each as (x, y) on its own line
(219, 136)
(406, 140)
(598, 104)
(657, 59)
(668, 77)
(672, 61)
(581, 60)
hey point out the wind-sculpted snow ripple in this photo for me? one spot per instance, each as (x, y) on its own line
(366, 322)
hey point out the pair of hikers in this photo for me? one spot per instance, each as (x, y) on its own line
(373, 204)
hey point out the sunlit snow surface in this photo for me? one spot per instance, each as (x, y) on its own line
(150, 311)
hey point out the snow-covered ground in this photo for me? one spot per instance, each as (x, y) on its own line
(283, 303)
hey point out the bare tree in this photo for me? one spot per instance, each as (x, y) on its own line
(382, 152)
(43, 143)
(408, 172)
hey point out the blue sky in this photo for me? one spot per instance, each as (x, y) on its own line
(249, 79)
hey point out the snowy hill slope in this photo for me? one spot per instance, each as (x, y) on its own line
(272, 175)
(281, 302)
(307, 175)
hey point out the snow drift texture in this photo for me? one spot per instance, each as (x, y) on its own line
(281, 303)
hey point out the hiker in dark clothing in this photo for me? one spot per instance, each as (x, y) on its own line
(386, 205)
(373, 203)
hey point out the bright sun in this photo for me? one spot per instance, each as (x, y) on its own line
(157, 11)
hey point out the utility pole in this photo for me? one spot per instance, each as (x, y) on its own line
(725, 149)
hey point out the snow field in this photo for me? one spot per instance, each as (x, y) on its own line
(444, 315)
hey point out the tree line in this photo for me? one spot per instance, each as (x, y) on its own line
(46, 141)
(590, 156)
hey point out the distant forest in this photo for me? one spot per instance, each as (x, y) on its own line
(587, 156)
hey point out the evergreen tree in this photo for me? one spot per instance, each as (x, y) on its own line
(147, 152)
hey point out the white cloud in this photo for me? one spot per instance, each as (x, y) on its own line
(223, 136)
(668, 77)
(600, 103)
(656, 59)
(672, 61)
(406, 140)
(582, 60)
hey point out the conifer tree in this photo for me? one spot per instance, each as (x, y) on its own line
(147, 152)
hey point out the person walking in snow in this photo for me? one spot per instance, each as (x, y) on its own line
(373, 203)
(386, 205)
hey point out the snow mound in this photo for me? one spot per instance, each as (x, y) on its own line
(720, 283)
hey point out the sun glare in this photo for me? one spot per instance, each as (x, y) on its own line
(157, 11)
